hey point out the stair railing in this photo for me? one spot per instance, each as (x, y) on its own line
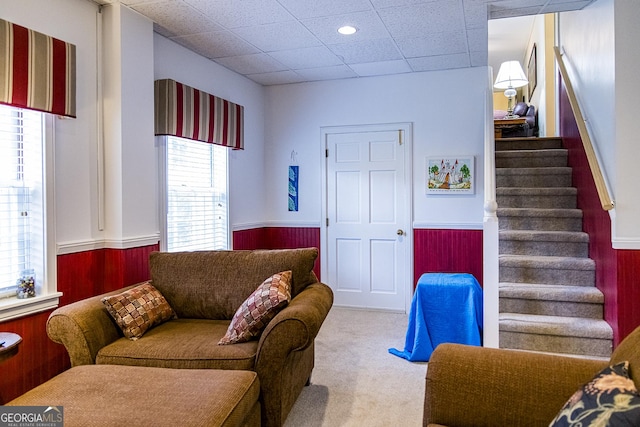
(603, 193)
(490, 262)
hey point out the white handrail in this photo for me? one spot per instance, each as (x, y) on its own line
(606, 201)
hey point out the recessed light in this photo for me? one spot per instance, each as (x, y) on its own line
(347, 30)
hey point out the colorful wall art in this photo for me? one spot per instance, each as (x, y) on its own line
(450, 175)
(294, 172)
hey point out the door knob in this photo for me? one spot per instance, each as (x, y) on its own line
(400, 232)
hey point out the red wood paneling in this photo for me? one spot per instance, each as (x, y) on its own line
(447, 251)
(80, 275)
(279, 238)
(616, 270)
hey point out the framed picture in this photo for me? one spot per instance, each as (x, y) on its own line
(532, 71)
(450, 175)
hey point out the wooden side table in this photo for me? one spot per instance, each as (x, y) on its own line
(499, 124)
(10, 343)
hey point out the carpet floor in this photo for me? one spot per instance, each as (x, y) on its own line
(356, 382)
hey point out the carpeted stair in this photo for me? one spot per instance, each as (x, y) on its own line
(548, 298)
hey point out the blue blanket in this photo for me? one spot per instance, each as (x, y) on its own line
(446, 307)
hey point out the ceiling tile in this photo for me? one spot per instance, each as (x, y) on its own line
(419, 20)
(442, 62)
(310, 57)
(368, 25)
(252, 64)
(477, 39)
(245, 13)
(318, 8)
(177, 17)
(434, 44)
(476, 14)
(324, 73)
(367, 51)
(479, 59)
(381, 68)
(381, 4)
(282, 36)
(277, 78)
(216, 45)
(564, 6)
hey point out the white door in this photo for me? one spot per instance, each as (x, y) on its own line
(367, 202)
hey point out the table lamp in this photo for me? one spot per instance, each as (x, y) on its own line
(510, 76)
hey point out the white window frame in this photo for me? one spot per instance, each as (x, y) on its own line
(162, 144)
(48, 296)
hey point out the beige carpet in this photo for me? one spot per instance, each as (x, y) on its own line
(356, 382)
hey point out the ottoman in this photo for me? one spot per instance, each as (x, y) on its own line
(115, 395)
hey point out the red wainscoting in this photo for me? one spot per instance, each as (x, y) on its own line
(616, 270)
(279, 238)
(80, 275)
(447, 251)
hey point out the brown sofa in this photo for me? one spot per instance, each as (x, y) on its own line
(476, 386)
(205, 289)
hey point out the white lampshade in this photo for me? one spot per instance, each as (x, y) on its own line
(510, 75)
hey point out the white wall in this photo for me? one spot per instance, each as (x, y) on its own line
(246, 167)
(445, 108)
(73, 21)
(602, 57)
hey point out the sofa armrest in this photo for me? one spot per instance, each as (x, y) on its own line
(83, 327)
(478, 386)
(296, 326)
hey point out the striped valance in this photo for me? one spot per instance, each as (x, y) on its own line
(36, 71)
(186, 112)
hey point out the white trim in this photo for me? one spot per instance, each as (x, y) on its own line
(12, 308)
(248, 226)
(626, 243)
(447, 226)
(272, 224)
(91, 245)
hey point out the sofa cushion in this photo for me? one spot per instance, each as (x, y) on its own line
(259, 308)
(520, 109)
(138, 309)
(611, 398)
(182, 344)
(213, 284)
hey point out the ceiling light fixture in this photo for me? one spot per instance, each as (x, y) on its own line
(347, 30)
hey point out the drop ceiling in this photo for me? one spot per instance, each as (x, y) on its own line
(290, 41)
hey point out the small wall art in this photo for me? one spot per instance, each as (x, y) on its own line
(294, 172)
(450, 175)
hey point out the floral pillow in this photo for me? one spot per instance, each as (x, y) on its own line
(259, 308)
(138, 309)
(609, 399)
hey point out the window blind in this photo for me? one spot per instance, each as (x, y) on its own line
(197, 203)
(21, 196)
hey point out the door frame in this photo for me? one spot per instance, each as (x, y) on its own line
(406, 129)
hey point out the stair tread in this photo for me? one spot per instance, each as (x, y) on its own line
(543, 152)
(549, 170)
(565, 293)
(548, 262)
(537, 191)
(541, 212)
(555, 325)
(544, 236)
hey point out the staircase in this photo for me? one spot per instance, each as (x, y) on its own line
(548, 299)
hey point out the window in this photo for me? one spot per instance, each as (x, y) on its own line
(24, 161)
(196, 202)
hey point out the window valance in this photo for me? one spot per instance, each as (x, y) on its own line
(183, 111)
(36, 71)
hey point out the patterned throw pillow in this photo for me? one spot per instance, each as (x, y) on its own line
(138, 310)
(257, 311)
(610, 399)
